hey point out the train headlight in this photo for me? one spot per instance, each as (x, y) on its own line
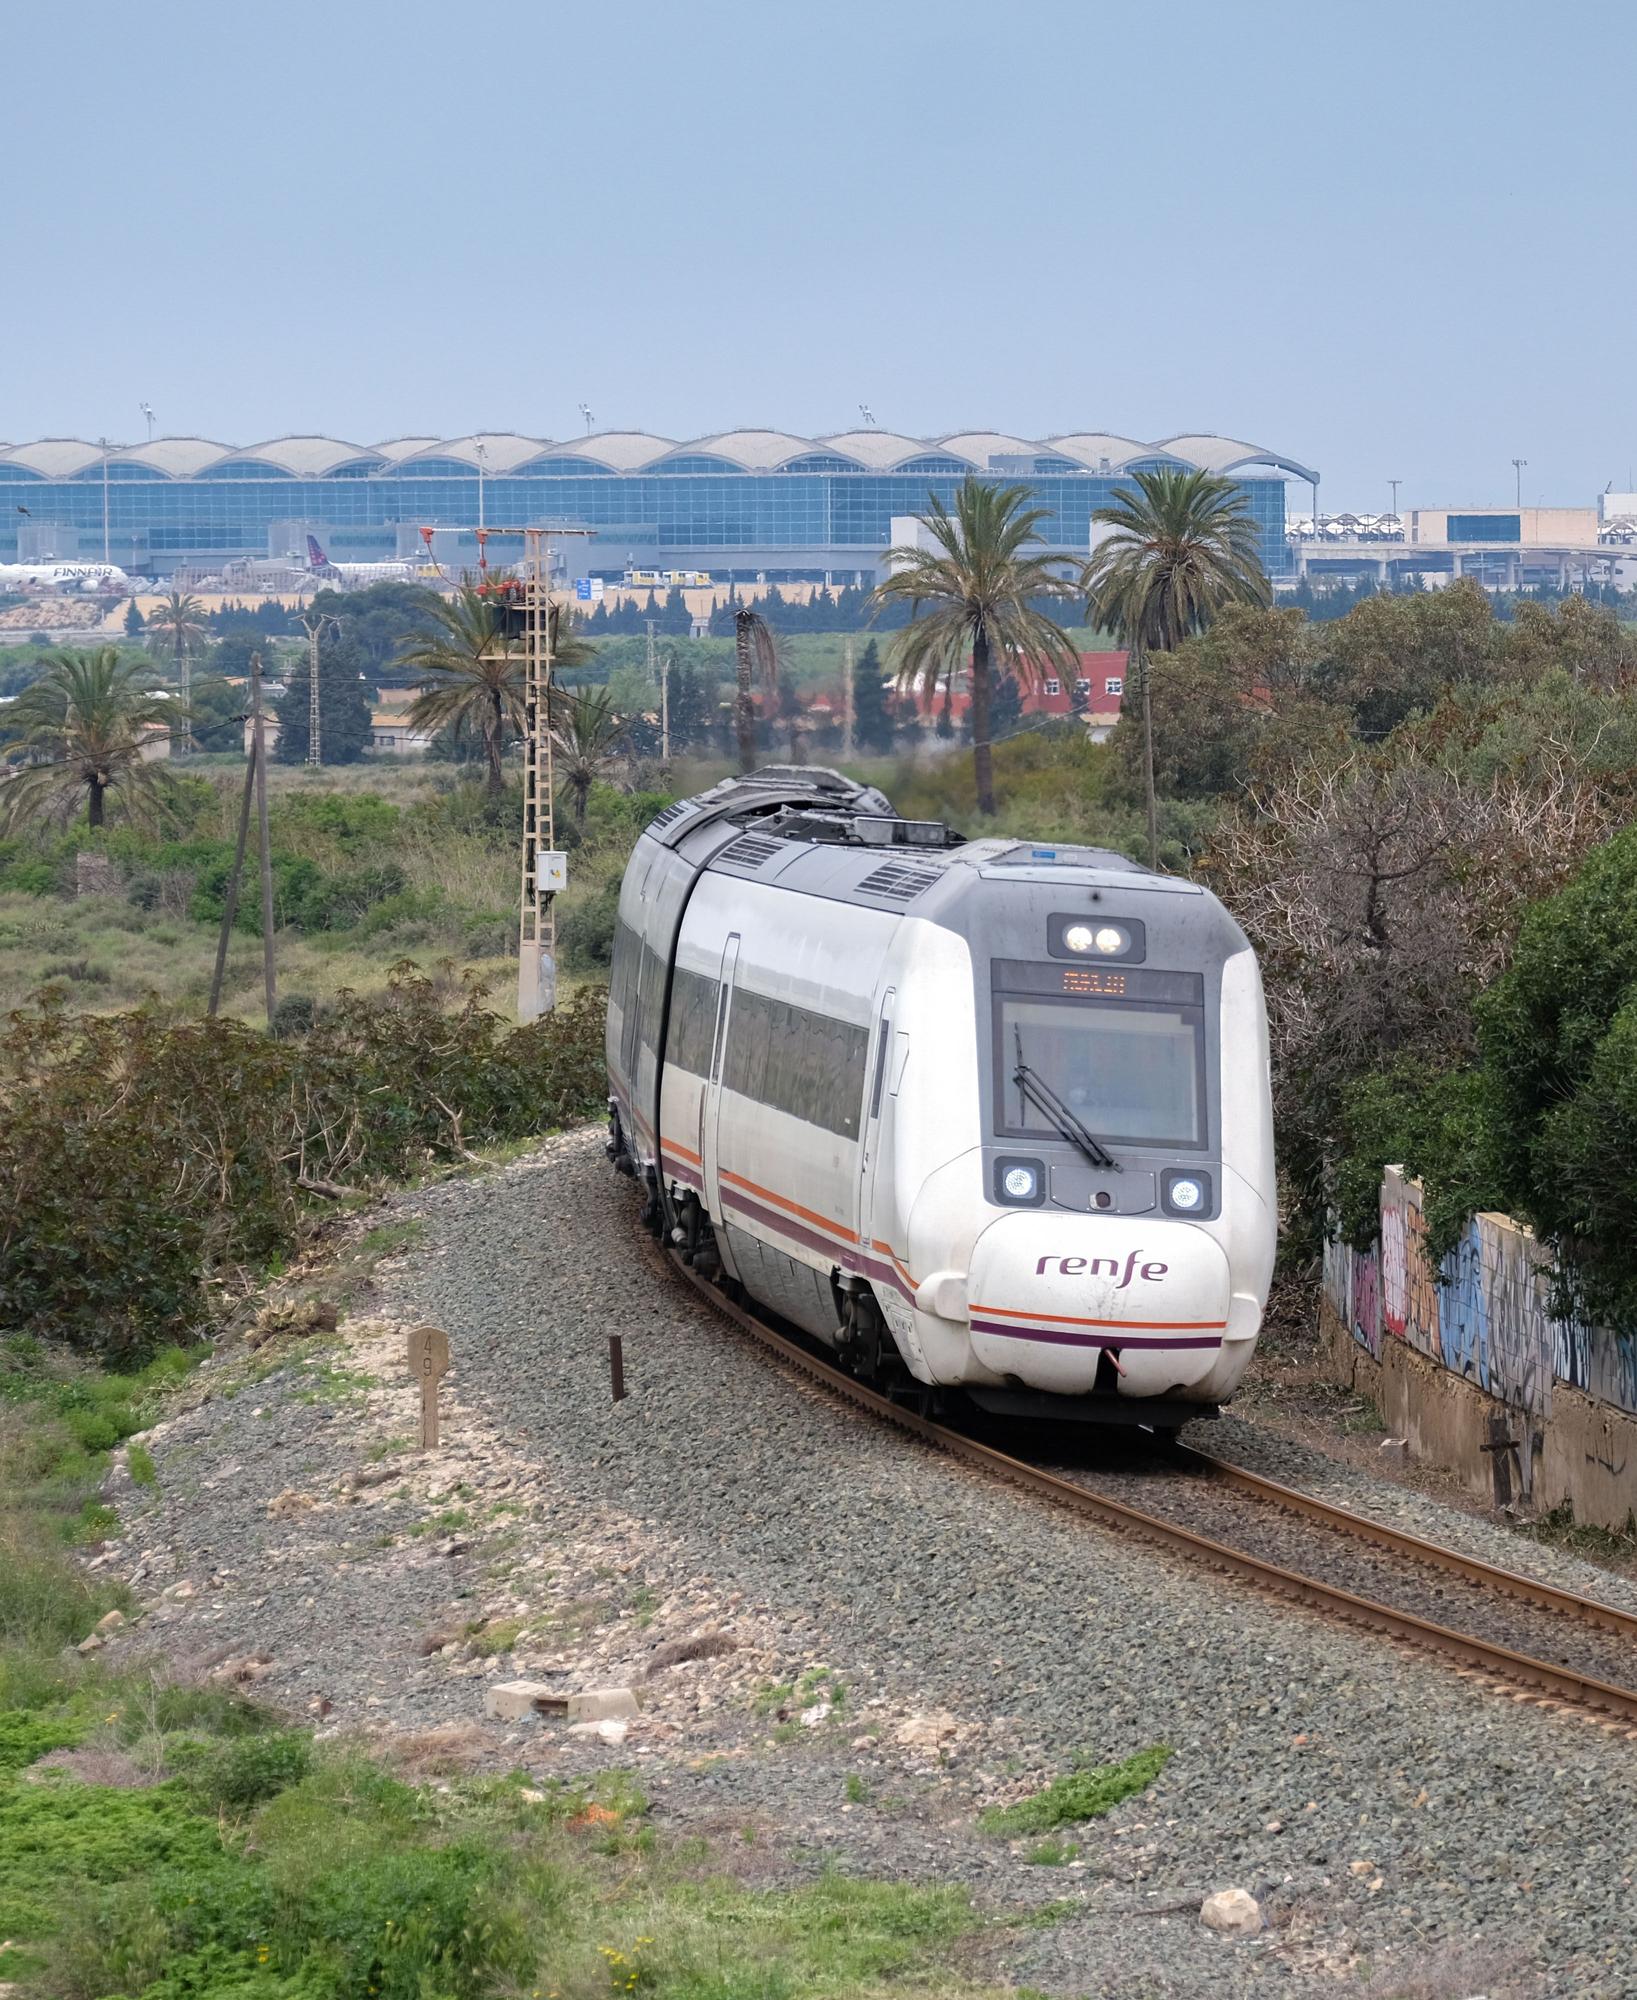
(1097, 940)
(1020, 1183)
(1186, 1193)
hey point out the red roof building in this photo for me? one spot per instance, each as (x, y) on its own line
(1101, 688)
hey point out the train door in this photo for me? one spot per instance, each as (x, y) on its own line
(710, 1101)
(870, 1137)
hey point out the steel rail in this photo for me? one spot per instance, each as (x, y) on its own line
(1366, 1528)
(1482, 1655)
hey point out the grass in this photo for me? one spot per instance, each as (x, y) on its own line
(191, 1844)
(1052, 1854)
(1081, 1794)
(134, 955)
(1559, 1529)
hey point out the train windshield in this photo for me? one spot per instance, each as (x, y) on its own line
(1129, 1071)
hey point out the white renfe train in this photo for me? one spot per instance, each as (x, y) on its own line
(981, 1116)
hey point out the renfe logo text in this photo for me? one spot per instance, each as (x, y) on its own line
(1103, 1267)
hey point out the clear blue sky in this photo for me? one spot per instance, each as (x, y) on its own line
(1391, 240)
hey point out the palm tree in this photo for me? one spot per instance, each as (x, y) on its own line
(586, 734)
(469, 676)
(755, 657)
(473, 675)
(1181, 546)
(83, 728)
(179, 622)
(977, 587)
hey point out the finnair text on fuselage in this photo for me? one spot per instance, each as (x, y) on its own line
(62, 576)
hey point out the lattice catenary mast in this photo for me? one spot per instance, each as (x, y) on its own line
(544, 867)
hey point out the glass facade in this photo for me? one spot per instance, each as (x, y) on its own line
(155, 523)
(1484, 528)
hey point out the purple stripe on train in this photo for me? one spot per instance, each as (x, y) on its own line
(1062, 1336)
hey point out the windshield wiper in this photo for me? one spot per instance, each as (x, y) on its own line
(1037, 1091)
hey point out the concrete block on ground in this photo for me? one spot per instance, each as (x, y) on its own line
(516, 1701)
(601, 1705)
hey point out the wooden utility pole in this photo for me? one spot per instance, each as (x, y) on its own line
(230, 901)
(259, 751)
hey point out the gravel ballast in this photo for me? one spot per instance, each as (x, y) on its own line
(1394, 1821)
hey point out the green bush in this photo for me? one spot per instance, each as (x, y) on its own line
(1440, 1128)
(246, 1770)
(585, 928)
(140, 1152)
(1558, 1033)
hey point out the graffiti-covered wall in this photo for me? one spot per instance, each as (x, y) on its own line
(1481, 1314)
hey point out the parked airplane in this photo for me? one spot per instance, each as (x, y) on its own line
(319, 564)
(57, 575)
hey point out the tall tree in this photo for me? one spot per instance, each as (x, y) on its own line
(473, 673)
(1181, 545)
(179, 623)
(471, 680)
(872, 725)
(83, 731)
(755, 657)
(343, 704)
(587, 736)
(973, 595)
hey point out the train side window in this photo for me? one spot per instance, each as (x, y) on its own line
(806, 1064)
(651, 1001)
(692, 1025)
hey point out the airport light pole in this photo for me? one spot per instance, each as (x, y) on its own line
(1517, 466)
(106, 448)
(1395, 484)
(481, 453)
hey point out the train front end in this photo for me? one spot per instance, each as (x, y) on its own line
(1118, 1244)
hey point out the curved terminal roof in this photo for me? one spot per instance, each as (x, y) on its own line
(1220, 454)
(505, 452)
(876, 451)
(755, 451)
(301, 457)
(177, 458)
(53, 458)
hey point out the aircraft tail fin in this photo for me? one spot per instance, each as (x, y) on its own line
(316, 558)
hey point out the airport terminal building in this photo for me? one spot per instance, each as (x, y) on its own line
(743, 505)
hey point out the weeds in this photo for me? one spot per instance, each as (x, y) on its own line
(1559, 1529)
(1080, 1794)
(1052, 1854)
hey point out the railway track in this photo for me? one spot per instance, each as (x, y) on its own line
(1579, 1686)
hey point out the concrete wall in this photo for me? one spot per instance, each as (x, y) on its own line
(1466, 1361)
